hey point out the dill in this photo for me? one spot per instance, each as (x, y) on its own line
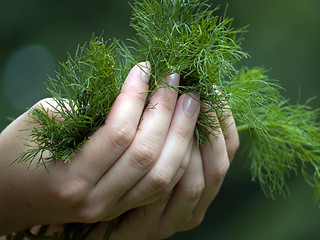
(282, 137)
(187, 37)
(83, 91)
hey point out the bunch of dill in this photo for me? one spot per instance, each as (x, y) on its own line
(183, 36)
(83, 91)
(189, 38)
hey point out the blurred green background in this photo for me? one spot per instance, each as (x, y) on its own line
(284, 36)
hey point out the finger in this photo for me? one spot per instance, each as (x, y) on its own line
(146, 146)
(230, 132)
(173, 153)
(178, 215)
(229, 128)
(215, 166)
(141, 223)
(164, 194)
(109, 141)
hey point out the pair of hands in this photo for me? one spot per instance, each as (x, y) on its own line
(150, 168)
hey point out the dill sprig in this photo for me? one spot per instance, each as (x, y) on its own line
(282, 137)
(83, 92)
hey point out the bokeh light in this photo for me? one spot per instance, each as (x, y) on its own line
(25, 73)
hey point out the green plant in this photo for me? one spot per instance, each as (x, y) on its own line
(187, 37)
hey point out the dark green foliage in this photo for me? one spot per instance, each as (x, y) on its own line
(283, 137)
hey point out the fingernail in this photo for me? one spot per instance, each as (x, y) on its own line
(191, 105)
(145, 71)
(173, 79)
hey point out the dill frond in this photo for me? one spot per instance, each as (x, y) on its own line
(83, 91)
(189, 38)
(283, 138)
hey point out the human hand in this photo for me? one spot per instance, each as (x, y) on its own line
(186, 206)
(126, 164)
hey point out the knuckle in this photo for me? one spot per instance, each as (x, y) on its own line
(159, 181)
(71, 192)
(183, 132)
(167, 106)
(141, 98)
(122, 135)
(95, 210)
(220, 171)
(90, 213)
(143, 156)
(195, 191)
(184, 165)
(133, 96)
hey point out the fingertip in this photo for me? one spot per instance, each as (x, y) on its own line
(137, 79)
(191, 105)
(145, 68)
(173, 79)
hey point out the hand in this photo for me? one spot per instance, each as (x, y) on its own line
(185, 208)
(127, 163)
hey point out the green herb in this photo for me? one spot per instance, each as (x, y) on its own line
(84, 90)
(283, 138)
(187, 37)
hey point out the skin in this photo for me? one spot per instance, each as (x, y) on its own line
(150, 168)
